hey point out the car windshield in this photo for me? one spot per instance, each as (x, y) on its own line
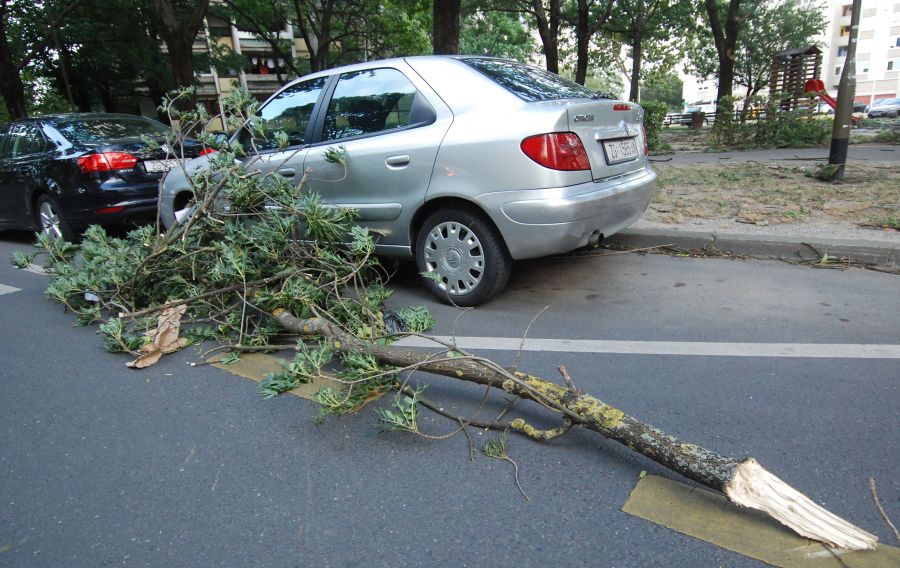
(884, 102)
(96, 130)
(529, 83)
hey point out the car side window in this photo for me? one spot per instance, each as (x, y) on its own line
(25, 139)
(289, 112)
(4, 143)
(372, 101)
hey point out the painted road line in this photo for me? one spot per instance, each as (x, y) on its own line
(4, 289)
(701, 348)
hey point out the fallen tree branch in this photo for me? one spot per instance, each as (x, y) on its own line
(743, 481)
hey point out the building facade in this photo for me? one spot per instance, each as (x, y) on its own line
(877, 48)
(263, 73)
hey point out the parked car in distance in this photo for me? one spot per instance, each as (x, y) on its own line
(889, 108)
(61, 173)
(464, 163)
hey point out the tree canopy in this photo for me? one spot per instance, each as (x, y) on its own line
(86, 55)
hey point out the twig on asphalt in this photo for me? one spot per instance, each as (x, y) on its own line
(881, 510)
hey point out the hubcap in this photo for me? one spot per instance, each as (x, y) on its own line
(49, 220)
(453, 252)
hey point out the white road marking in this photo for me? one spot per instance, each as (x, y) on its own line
(4, 289)
(702, 348)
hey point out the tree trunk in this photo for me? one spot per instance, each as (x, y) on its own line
(745, 482)
(637, 56)
(11, 86)
(725, 38)
(445, 35)
(548, 30)
(582, 42)
(178, 31)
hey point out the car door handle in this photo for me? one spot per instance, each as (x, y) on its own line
(287, 172)
(397, 162)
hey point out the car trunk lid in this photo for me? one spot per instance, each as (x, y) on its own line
(611, 133)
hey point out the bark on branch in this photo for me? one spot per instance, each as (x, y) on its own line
(744, 482)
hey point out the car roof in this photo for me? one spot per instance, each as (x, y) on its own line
(65, 117)
(376, 63)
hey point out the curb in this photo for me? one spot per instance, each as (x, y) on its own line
(877, 254)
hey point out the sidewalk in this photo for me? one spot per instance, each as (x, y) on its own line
(806, 241)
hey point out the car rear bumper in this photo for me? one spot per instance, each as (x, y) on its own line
(114, 206)
(537, 223)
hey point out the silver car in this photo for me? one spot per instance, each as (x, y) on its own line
(464, 163)
(885, 107)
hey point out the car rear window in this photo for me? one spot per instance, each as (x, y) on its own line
(529, 83)
(95, 130)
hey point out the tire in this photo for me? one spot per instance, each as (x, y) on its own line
(468, 254)
(51, 221)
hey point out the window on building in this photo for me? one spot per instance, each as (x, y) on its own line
(893, 64)
(837, 70)
(842, 51)
(847, 11)
(265, 64)
(864, 68)
(896, 42)
(845, 31)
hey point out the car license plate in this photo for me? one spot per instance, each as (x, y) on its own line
(156, 166)
(622, 150)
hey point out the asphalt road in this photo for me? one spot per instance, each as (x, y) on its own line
(177, 465)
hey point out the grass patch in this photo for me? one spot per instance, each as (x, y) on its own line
(771, 194)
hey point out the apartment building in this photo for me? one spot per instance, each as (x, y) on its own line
(264, 72)
(877, 48)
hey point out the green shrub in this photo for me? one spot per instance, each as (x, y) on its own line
(776, 128)
(654, 114)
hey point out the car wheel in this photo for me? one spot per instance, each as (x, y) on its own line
(464, 256)
(51, 221)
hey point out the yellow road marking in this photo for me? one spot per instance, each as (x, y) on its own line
(710, 517)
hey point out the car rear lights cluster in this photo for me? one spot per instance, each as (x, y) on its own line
(106, 161)
(207, 150)
(557, 151)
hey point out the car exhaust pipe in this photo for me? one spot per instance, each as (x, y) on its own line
(595, 239)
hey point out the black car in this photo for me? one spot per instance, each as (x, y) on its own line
(61, 173)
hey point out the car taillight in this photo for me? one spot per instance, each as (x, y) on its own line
(557, 151)
(646, 145)
(106, 161)
(206, 151)
(621, 106)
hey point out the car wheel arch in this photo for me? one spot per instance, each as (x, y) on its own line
(448, 202)
(181, 199)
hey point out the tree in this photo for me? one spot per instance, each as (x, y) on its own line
(23, 39)
(725, 37)
(109, 58)
(591, 16)
(179, 22)
(761, 29)
(501, 34)
(770, 29)
(446, 26)
(661, 25)
(664, 89)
